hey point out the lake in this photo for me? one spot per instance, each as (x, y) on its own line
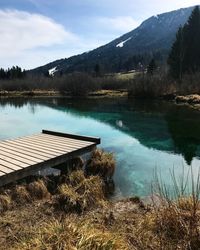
(143, 135)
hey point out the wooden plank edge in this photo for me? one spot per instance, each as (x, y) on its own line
(96, 140)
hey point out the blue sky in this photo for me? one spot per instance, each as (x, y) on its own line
(35, 32)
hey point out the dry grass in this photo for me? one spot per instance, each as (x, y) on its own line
(191, 99)
(70, 234)
(177, 218)
(76, 177)
(78, 216)
(80, 194)
(123, 225)
(5, 202)
(20, 195)
(101, 164)
(23, 194)
(126, 76)
(109, 93)
(38, 190)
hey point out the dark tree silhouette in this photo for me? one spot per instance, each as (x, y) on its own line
(151, 67)
(184, 56)
(176, 56)
(97, 69)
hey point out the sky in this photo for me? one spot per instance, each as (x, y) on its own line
(36, 32)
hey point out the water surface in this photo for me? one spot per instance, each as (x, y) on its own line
(143, 134)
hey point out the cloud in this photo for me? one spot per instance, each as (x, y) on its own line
(119, 23)
(22, 31)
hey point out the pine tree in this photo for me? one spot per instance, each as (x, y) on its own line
(2, 74)
(192, 42)
(151, 67)
(97, 69)
(176, 56)
(185, 53)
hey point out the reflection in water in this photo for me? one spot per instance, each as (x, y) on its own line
(184, 129)
(142, 134)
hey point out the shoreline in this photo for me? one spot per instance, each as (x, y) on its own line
(52, 93)
(191, 101)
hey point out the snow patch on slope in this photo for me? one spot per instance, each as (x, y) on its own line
(121, 45)
(53, 71)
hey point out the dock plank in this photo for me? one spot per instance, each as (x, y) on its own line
(70, 142)
(6, 170)
(23, 155)
(27, 155)
(54, 144)
(9, 165)
(33, 144)
(29, 152)
(15, 157)
(15, 162)
(25, 146)
(62, 139)
(1, 173)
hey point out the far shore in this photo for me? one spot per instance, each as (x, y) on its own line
(54, 93)
(192, 101)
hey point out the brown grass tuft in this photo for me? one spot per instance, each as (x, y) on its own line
(70, 236)
(102, 164)
(76, 177)
(5, 202)
(80, 194)
(20, 195)
(177, 217)
(51, 235)
(90, 237)
(38, 190)
(178, 224)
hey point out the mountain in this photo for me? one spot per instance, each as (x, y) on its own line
(152, 39)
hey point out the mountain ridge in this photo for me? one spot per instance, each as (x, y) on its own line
(153, 38)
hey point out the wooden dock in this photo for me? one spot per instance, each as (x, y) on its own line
(25, 156)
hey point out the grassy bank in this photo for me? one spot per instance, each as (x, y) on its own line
(136, 85)
(54, 93)
(77, 84)
(52, 221)
(74, 212)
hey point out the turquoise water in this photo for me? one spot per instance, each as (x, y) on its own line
(144, 135)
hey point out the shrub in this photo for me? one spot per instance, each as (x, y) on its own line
(190, 84)
(78, 84)
(145, 86)
(112, 83)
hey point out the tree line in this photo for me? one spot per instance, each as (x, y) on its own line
(12, 73)
(184, 57)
